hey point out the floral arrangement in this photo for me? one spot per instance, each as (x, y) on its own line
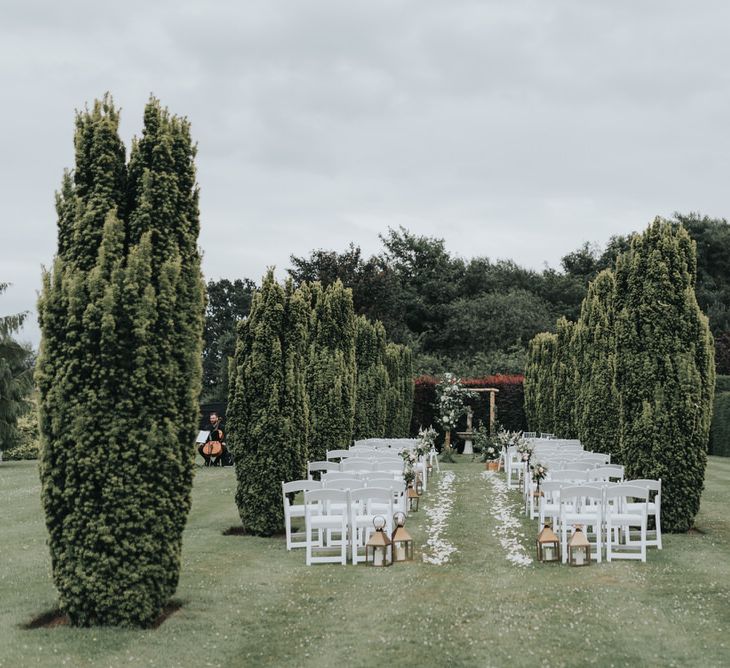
(427, 437)
(539, 472)
(487, 444)
(450, 398)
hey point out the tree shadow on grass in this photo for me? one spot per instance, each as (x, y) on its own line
(57, 617)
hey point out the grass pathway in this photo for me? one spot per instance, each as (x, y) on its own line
(249, 602)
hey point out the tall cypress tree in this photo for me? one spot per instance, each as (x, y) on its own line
(540, 383)
(565, 382)
(267, 405)
(596, 400)
(665, 374)
(331, 373)
(121, 316)
(399, 363)
(372, 379)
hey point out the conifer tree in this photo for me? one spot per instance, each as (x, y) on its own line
(539, 383)
(372, 380)
(565, 382)
(400, 390)
(596, 400)
(15, 377)
(331, 373)
(267, 406)
(664, 369)
(121, 316)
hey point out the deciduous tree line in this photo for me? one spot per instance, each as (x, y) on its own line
(307, 376)
(634, 375)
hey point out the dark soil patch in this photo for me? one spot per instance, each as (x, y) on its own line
(170, 609)
(694, 531)
(54, 618)
(47, 620)
(241, 531)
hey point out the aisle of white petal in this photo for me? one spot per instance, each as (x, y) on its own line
(508, 530)
(437, 549)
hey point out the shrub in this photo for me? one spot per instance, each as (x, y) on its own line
(268, 416)
(121, 317)
(665, 369)
(720, 430)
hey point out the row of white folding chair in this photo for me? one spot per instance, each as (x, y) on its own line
(607, 506)
(291, 510)
(582, 504)
(349, 513)
(578, 475)
(549, 501)
(397, 486)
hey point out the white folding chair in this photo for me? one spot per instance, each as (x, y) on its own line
(320, 467)
(365, 505)
(612, 473)
(326, 510)
(653, 508)
(550, 503)
(619, 515)
(356, 464)
(298, 510)
(581, 505)
(338, 454)
(569, 477)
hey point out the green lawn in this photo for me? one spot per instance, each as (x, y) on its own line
(247, 601)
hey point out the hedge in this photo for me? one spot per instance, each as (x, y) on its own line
(720, 429)
(510, 410)
(722, 384)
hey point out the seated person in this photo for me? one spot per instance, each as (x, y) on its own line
(214, 449)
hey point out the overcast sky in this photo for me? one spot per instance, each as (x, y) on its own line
(512, 129)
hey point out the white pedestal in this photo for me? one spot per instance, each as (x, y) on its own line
(468, 449)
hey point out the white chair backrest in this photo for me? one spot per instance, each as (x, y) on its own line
(299, 486)
(620, 493)
(322, 466)
(568, 476)
(338, 454)
(337, 475)
(342, 483)
(324, 498)
(581, 496)
(355, 463)
(651, 485)
(607, 473)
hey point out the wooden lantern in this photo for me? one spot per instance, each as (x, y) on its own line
(413, 499)
(548, 545)
(379, 548)
(579, 549)
(402, 541)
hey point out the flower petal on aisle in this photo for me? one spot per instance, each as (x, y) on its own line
(508, 530)
(439, 549)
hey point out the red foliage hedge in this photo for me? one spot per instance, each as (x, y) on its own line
(510, 402)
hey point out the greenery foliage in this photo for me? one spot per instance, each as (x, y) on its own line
(332, 371)
(509, 405)
(665, 372)
(15, 377)
(565, 382)
(399, 364)
(540, 385)
(596, 400)
(121, 315)
(227, 303)
(373, 386)
(268, 410)
(720, 430)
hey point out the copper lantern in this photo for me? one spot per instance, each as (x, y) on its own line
(402, 541)
(379, 548)
(579, 548)
(548, 545)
